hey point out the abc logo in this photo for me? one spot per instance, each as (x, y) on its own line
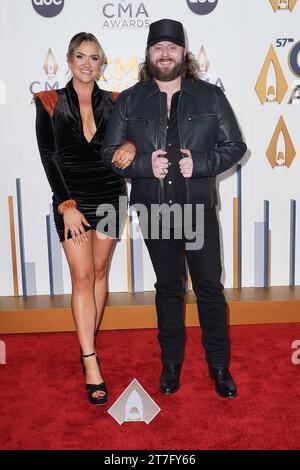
(202, 7)
(48, 8)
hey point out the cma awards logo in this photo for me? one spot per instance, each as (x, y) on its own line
(119, 73)
(135, 404)
(50, 67)
(283, 4)
(281, 151)
(272, 86)
(48, 8)
(202, 7)
(125, 15)
(204, 66)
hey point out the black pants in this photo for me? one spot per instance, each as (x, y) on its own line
(167, 257)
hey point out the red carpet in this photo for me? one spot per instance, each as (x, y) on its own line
(43, 402)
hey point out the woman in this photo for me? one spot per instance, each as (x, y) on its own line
(70, 128)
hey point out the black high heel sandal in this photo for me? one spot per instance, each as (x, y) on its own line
(92, 388)
(82, 363)
(81, 360)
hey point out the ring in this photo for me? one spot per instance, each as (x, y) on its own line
(129, 161)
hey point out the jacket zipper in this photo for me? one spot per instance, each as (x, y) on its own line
(191, 116)
(161, 193)
(180, 141)
(138, 119)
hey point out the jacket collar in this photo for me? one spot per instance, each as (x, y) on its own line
(187, 86)
(72, 91)
(97, 103)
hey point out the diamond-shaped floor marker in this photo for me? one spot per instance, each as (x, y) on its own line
(135, 404)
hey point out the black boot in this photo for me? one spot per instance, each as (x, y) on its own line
(224, 383)
(169, 379)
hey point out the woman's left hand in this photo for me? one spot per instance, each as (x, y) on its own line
(124, 156)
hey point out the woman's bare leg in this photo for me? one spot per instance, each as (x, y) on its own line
(81, 263)
(102, 248)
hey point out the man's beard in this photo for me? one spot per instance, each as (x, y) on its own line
(166, 76)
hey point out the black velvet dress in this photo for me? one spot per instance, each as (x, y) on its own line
(72, 164)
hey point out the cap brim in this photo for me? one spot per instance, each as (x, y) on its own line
(166, 38)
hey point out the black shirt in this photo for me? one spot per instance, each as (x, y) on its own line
(174, 182)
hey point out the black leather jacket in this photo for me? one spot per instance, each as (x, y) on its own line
(207, 127)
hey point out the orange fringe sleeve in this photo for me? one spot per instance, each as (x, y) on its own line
(49, 100)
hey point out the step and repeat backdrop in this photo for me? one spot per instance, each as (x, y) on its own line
(250, 48)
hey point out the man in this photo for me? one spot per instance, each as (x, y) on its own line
(186, 134)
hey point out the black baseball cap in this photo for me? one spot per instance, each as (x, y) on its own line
(166, 30)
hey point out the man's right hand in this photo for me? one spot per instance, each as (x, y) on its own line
(160, 164)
